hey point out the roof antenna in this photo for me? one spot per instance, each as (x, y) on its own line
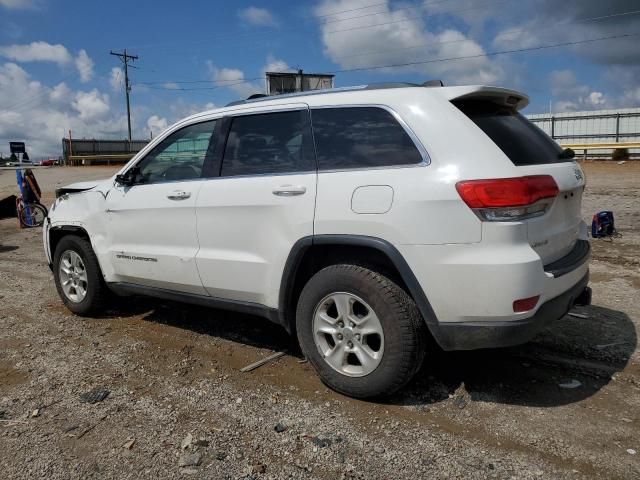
(433, 83)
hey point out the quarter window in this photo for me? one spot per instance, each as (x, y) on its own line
(180, 156)
(361, 137)
(268, 143)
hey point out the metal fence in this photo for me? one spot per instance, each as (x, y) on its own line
(100, 151)
(602, 126)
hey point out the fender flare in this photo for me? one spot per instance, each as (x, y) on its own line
(302, 245)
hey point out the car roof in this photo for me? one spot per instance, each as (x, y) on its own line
(364, 94)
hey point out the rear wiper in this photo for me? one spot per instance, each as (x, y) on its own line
(566, 154)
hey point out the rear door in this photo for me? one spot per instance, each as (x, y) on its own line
(554, 234)
(258, 203)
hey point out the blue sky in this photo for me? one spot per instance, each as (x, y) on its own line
(56, 73)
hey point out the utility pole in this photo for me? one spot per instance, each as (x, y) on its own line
(127, 86)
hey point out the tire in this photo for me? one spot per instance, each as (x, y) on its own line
(36, 217)
(402, 343)
(88, 278)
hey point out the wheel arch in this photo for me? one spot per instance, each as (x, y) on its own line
(310, 254)
(58, 232)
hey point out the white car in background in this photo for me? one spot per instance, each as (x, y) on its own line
(364, 220)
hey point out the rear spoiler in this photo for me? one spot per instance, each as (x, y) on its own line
(502, 96)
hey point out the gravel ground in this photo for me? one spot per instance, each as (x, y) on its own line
(179, 406)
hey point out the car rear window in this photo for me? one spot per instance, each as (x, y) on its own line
(361, 137)
(519, 139)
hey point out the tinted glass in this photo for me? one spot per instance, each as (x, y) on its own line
(180, 156)
(361, 137)
(520, 140)
(268, 143)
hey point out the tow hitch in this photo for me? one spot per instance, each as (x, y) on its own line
(584, 298)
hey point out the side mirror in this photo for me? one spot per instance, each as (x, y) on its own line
(128, 178)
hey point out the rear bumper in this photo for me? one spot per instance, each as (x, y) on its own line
(471, 336)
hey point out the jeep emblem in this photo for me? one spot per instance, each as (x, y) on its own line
(578, 173)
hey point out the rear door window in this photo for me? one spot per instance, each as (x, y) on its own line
(269, 143)
(361, 137)
(519, 139)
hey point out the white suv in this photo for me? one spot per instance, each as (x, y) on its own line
(366, 220)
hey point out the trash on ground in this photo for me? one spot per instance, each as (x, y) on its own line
(129, 443)
(259, 363)
(94, 396)
(190, 460)
(35, 413)
(186, 441)
(573, 383)
(631, 451)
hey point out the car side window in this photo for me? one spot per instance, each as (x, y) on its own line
(180, 156)
(269, 143)
(361, 137)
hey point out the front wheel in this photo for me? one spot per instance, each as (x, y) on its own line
(78, 277)
(362, 333)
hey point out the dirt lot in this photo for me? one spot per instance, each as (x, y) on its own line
(174, 381)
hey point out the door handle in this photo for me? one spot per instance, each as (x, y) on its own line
(178, 195)
(289, 190)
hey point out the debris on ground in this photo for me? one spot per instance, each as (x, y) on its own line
(186, 441)
(569, 384)
(201, 442)
(35, 413)
(631, 451)
(264, 361)
(190, 460)
(94, 396)
(129, 444)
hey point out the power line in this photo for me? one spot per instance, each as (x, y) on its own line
(513, 30)
(489, 54)
(467, 57)
(127, 86)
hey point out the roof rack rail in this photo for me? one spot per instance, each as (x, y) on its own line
(257, 97)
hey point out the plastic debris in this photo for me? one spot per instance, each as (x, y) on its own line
(573, 383)
(94, 396)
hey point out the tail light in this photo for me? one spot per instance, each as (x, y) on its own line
(509, 199)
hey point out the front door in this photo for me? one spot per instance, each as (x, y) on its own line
(259, 205)
(152, 224)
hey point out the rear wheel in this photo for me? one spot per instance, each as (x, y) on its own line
(361, 332)
(78, 277)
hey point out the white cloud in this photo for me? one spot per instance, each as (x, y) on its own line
(37, 52)
(398, 36)
(41, 115)
(156, 124)
(116, 78)
(571, 95)
(275, 65)
(260, 17)
(234, 79)
(91, 105)
(84, 64)
(16, 4)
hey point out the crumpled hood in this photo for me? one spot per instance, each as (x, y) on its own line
(82, 186)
